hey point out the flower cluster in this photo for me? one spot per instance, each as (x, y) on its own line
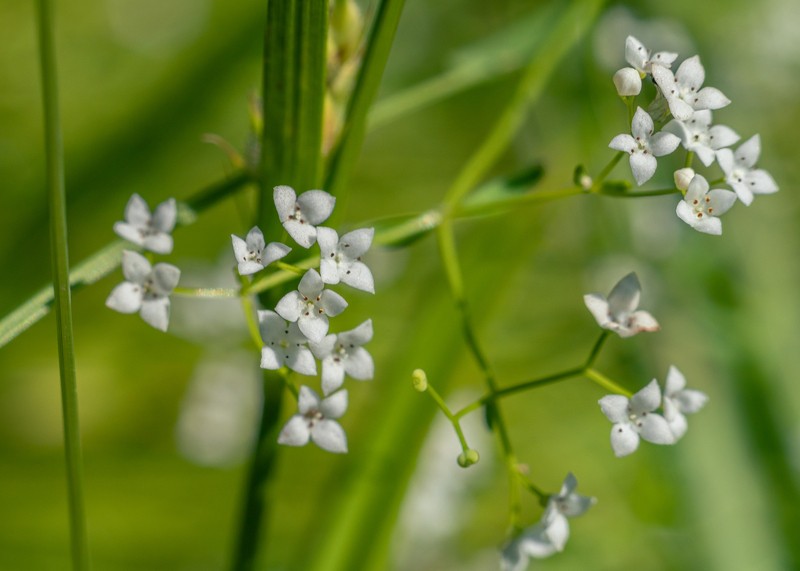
(682, 96)
(296, 333)
(146, 287)
(550, 534)
(636, 418)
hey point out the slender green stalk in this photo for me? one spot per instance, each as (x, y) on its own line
(207, 292)
(54, 153)
(640, 194)
(596, 348)
(603, 381)
(433, 393)
(608, 168)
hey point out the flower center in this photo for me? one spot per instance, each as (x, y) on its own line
(312, 306)
(298, 215)
(702, 207)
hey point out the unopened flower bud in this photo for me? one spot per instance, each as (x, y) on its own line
(420, 380)
(683, 177)
(468, 458)
(628, 82)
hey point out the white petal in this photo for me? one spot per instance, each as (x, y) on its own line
(159, 243)
(642, 321)
(165, 278)
(747, 153)
(359, 364)
(274, 251)
(239, 248)
(155, 312)
(316, 205)
(624, 143)
(674, 382)
(598, 306)
(335, 405)
(709, 225)
(663, 144)
(624, 439)
(359, 276)
(536, 543)
(328, 240)
(290, 306)
(624, 297)
(165, 216)
(745, 194)
(136, 211)
(332, 303)
(329, 435)
(760, 181)
(135, 267)
(307, 400)
(315, 327)
(725, 160)
(324, 348)
(125, 298)
(255, 239)
(300, 360)
(686, 213)
(675, 420)
(691, 73)
(635, 53)
(304, 234)
(295, 432)
(328, 270)
(357, 242)
(647, 399)
(512, 559)
(270, 359)
(359, 335)
(654, 428)
(558, 531)
(722, 136)
(129, 232)
(705, 154)
(663, 58)
(271, 325)
(248, 268)
(285, 201)
(710, 98)
(642, 124)
(720, 200)
(697, 189)
(310, 284)
(690, 401)
(643, 167)
(332, 375)
(615, 407)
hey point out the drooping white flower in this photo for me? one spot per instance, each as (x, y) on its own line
(343, 354)
(634, 418)
(643, 60)
(316, 421)
(618, 313)
(145, 290)
(679, 401)
(697, 135)
(284, 345)
(253, 254)
(700, 207)
(301, 214)
(310, 306)
(550, 534)
(628, 82)
(340, 258)
(740, 174)
(683, 92)
(151, 232)
(644, 146)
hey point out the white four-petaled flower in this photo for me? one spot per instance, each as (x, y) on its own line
(343, 354)
(253, 254)
(679, 401)
(340, 258)
(618, 313)
(701, 206)
(634, 418)
(284, 345)
(301, 214)
(151, 232)
(740, 174)
(644, 146)
(310, 306)
(683, 92)
(316, 421)
(697, 135)
(145, 290)
(643, 60)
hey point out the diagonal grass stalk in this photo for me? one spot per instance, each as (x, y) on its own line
(54, 152)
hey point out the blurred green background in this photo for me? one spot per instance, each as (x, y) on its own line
(166, 419)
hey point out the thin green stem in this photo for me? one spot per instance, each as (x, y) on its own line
(596, 349)
(608, 168)
(206, 292)
(290, 268)
(434, 394)
(252, 321)
(606, 383)
(54, 153)
(644, 193)
(689, 159)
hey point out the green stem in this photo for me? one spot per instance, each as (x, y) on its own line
(606, 383)
(596, 349)
(608, 168)
(689, 159)
(252, 321)
(206, 292)
(290, 268)
(54, 153)
(658, 192)
(433, 393)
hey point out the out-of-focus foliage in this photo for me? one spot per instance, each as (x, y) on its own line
(142, 81)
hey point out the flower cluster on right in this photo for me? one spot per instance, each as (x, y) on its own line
(680, 95)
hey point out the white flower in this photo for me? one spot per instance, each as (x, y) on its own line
(679, 401)
(683, 177)
(284, 345)
(550, 534)
(642, 59)
(739, 171)
(253, 254)
(618, 312)
(697, 135)
(628, 82)
(145, 290)
(150, 232)
(300, 214)
(310, 306)
(340, 258)
(634, 418)
(343, 353)
(644, 146)
(700, 207)
(315, 421)
(682, 89)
